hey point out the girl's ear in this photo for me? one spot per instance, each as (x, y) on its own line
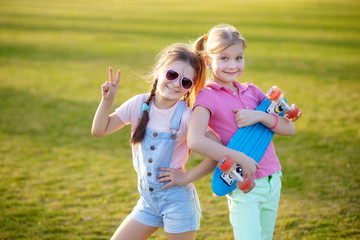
(207, 61)
(157, 72)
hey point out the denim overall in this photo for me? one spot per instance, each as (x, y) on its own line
(176, 208)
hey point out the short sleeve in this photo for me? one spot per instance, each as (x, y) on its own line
(129, 111)
(204, 99)
(256, 91)
(260, 94)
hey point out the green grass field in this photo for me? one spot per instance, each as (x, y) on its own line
(59, 182)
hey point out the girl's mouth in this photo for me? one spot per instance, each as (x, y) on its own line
(171, 90)
(231, 73)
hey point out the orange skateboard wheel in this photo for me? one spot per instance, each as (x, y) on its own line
(294, 113)
(247, 185)
(225, 164)
(274, 94)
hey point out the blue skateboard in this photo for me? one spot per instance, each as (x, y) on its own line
(255, 139)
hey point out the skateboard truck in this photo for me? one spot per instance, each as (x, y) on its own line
(227, 166)
(276, 95)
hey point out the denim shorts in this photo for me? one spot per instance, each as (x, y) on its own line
(175, 209)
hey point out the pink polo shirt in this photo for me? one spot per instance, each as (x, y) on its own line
(220, 101)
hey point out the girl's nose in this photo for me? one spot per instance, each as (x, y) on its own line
(232, 64)
(176, 83)
(179, 82)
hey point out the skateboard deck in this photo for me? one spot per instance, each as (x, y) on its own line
(252, 141)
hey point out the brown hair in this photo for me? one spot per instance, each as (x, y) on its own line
(176, 52)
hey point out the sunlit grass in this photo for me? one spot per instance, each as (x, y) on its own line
(58, 182)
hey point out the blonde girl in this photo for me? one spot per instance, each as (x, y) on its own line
(225, 105)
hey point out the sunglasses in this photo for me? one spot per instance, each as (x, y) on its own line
(186, 83)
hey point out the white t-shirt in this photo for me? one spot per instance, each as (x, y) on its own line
(160, 120)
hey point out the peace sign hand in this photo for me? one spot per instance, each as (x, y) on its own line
(109, 88)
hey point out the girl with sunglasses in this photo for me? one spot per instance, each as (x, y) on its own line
(159, 122)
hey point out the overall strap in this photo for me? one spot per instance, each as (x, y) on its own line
(176, 119)
(175, 123)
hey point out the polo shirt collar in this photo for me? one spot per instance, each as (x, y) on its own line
(219, 87)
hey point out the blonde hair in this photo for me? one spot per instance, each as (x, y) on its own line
(221, 37)
(176, 52)
(218, 39)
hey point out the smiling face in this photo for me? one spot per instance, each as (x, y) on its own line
(228, 65)
(169, 92)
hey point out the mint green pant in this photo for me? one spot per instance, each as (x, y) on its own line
(253, 215)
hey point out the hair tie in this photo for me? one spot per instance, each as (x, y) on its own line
(205, 37)
(276, 123)
(145, 107)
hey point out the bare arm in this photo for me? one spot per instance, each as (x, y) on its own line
(104, 123)
(245, 117)
(180, 177)
(198, 142)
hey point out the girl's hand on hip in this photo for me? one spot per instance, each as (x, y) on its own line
(110, 87)
(172, 176)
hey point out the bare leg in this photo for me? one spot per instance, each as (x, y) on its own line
(182, 236)
(130, 229)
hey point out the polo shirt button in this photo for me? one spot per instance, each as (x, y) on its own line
(150, 160)
(152, 147)
(155, 134)
(234, 93)
(149, 174)
(151, 189)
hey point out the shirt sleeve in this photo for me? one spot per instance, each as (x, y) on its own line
(129, 111)
(260, 95)
(204, 99)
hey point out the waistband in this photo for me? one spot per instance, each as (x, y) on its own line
(268, 178)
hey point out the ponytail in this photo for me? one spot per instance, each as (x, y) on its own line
(199, 49)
